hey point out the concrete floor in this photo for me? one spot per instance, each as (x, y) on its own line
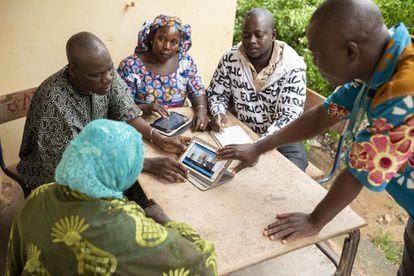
(306, 261)
(311, 261)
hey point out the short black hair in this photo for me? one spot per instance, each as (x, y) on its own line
(262, 13)
(83, 41)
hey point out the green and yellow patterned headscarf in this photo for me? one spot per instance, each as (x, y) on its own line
(103, 161)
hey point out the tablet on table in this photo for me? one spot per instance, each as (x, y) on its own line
(205, 170)
(172, 124)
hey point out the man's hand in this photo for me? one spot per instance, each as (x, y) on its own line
(167, 168)
(154, 109)
(200, 120)
(154, 211)
(291, 226)
(218, 123)
(247, 154)
(175, 145)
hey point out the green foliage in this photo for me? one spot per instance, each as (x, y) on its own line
(291, 20)
(395, 11)
(333, 134)
(393, 250)
(307, 145)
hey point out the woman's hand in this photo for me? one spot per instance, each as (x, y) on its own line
(154, 211)
(247, 154)
(154, 109)
(200, 120)
(291, 226)
(166, 168)
(219, 121)
(175, 145)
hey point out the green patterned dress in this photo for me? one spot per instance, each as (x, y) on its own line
(62, 232)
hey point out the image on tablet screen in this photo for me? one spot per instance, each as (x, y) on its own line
(202, 160)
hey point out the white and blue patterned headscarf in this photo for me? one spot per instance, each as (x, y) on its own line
(103, 160)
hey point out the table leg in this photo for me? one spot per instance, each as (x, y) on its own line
(349, 251)
(326, 249)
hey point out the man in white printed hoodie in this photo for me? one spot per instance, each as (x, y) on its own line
(263, 80)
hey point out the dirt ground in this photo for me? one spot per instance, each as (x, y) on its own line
(385, 218)
(382, 213)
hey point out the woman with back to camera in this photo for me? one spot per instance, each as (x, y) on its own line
(161, 74)
(83, 225)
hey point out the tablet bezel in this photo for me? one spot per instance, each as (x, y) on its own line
(223, 164)
(187, 121)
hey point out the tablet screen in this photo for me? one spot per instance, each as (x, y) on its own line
(170, 123)
(202, 160)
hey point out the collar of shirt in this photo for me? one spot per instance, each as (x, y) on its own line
(260, 78)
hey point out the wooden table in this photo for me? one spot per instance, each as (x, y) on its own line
(233, 215)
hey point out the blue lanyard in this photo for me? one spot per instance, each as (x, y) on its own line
(352, 126)
(358, 110)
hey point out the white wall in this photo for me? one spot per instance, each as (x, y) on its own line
(33, 34)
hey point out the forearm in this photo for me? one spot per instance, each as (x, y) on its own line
(292, 100)
(199, 101)
(147, 165)
(218, 98)
(146, 130)
(314, 121)
(217, 107)
(199, 104)
(219, 91)
(342, 192)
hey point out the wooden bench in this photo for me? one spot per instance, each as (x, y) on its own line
(314, 99)
(12, 106)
